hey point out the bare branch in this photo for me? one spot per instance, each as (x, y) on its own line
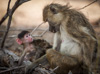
(16, 5)
(3, 19)
(3, 68)
(8, 26)
(43, 70)
(10, 12)
(88, 5)
(10, 69)
(55, 68)
(8, 7)
(23, 1)
(9, 22)
(43, 33)
(13, 36)
(6, 15)
(36, 28)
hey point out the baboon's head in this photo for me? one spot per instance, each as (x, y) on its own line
(53, 14)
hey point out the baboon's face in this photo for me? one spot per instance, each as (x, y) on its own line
(52, 14)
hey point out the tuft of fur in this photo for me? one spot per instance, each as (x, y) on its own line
(21, 35)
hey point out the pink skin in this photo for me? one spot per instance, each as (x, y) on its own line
(28, 47)
(28, 38)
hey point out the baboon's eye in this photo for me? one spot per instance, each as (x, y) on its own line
(26, 36)
(53, 10)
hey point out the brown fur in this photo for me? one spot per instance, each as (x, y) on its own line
(74, 39)
(74, 23)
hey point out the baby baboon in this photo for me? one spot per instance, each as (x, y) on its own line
(25, 39)
(33, 49)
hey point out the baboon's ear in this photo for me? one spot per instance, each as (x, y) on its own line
(19, 41)
(53, 9)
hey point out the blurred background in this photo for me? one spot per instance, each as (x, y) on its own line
(29, 15)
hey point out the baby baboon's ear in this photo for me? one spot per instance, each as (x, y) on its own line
(19, 41)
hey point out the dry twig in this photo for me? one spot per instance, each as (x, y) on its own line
(36, 28)
(41, 34)
(10, 13)
(13, 36)
(54, 69)
(88, 4)
(43, 70)
(10, 69)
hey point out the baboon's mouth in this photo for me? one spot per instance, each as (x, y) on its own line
(52, 29)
